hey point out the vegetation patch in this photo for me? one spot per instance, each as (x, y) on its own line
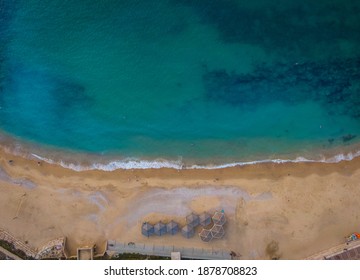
(134, 256)
(11, 248)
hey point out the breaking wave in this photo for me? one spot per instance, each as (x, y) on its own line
(129, 164)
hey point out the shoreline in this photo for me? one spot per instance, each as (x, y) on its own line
(264, 168)
(303, 207)
(130, 164)
(78, 160)
(84, 161)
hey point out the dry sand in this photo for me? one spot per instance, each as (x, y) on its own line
(290, 210)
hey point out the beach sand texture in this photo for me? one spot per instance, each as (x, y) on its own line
(287, 211)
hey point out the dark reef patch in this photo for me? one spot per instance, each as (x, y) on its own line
(51, 98)
(348, 137)
(64, 92)
(335, 84)
(7, 12)
(297, 28)
(69, 94)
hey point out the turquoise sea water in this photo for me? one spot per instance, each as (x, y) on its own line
(215, 81)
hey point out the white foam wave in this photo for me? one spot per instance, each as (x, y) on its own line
(114, 165)
(128, 164)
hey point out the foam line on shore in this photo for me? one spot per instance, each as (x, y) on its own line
(129, 164)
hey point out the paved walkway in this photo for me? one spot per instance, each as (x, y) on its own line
(115, 247)
(345, 251)
(9, 254)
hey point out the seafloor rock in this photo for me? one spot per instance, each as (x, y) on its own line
(334, 84)
(348, 137)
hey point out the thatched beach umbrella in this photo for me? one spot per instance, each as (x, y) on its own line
(192, 220)
(160, 229)
(217, 231)
(172, 228)
(205, 219)
(147, 229)
(219, 218)
(205, 235)
(188, 231)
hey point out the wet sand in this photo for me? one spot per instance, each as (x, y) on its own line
(287, 211)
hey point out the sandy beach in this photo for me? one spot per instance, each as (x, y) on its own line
(287, 211)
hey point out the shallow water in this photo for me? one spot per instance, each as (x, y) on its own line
(202, 81)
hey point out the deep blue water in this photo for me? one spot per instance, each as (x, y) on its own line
(210, 81)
